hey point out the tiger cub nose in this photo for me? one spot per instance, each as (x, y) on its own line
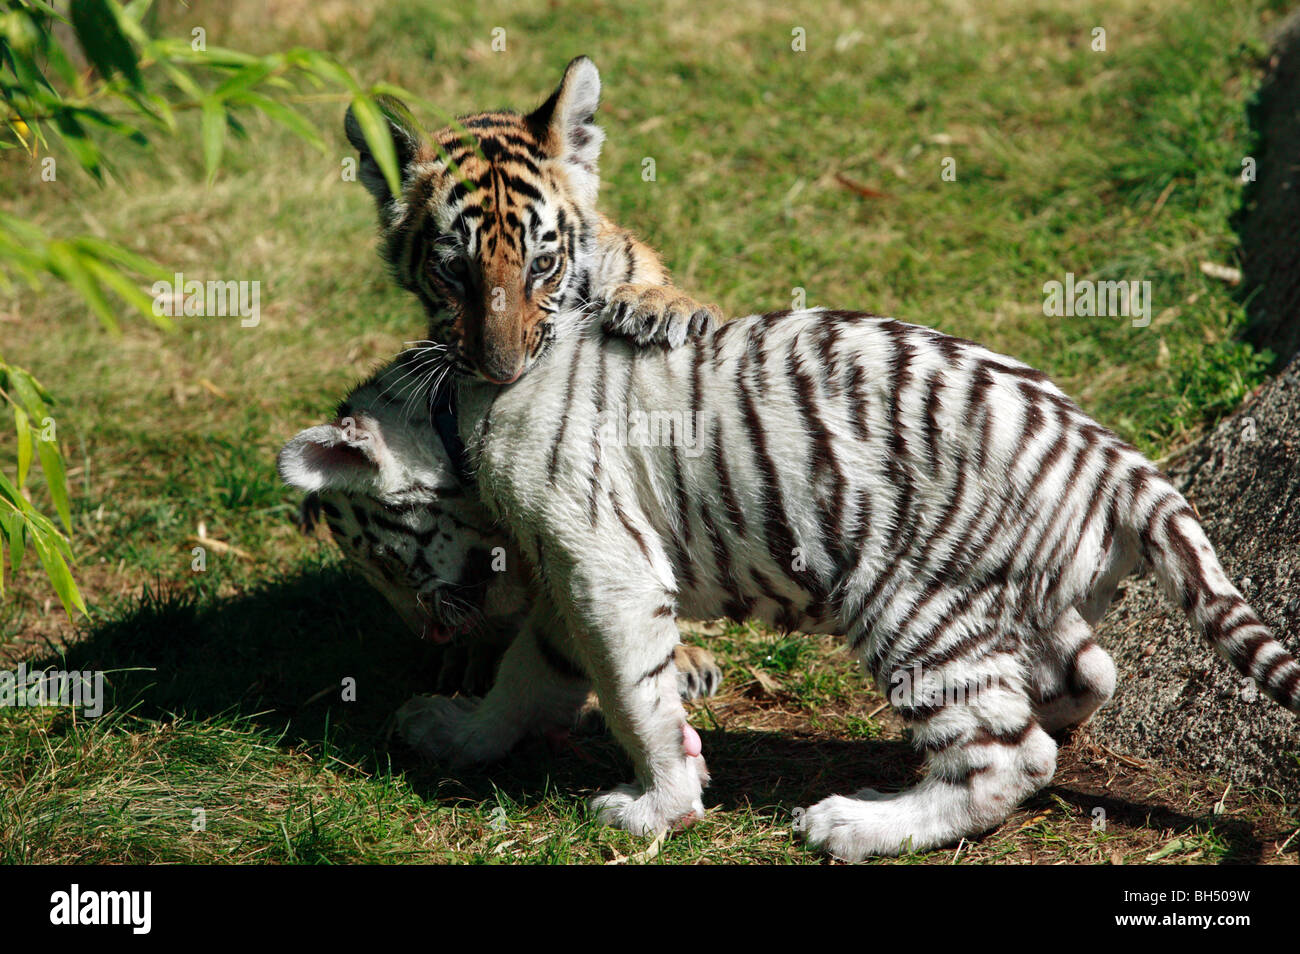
(502, 369)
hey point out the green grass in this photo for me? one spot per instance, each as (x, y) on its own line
(1122, 164)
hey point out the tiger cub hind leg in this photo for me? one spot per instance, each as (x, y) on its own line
(985, 754)
(1072, 677)
(658, 314)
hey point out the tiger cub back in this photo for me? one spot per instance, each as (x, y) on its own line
(947, 509)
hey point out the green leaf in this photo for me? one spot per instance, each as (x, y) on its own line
(13, 525)
(27, 73)
(287, 117)
(100, 34)
(23, 260)
(48, 10)
(32, 392)
(244, 79)
(129, 292)
(57, 57)
(114, 125)
(56, 568)
(214, 135)
(108, 252)
(23, 426)
(132, 15)
(179, 50)
(182, 80)
(66, 262)
(56, 479)
(375, 129)
(82, 146)
(21, 227)
(322, 66)
(27, 391)
(10, 493)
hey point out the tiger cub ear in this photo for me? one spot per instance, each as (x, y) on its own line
(566, 124)
(407, 139)
(349, 456)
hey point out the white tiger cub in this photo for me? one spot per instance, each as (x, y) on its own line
(946, 508)
(399, 511)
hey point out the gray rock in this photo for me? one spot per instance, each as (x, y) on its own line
(1177, 702)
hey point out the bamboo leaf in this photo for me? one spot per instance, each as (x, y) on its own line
(114, 125)
(66, 262)
(57, 57)
(17, 502)
(108, 252)
(13, 526)
(82, 147)
(379, 137)
(244, 79)
(182, 80)
(28, 393)
(320, 65)
(214, 135)
(99, 32)
(179, 50)
(34, 393)
(56, 568)
(23, 427)
(56, 479)
(287, 117)
(129, 292)
(48, 10)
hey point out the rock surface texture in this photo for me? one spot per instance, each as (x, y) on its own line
(1177, 701)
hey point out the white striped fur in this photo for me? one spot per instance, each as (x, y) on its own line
(383, 484)
(943, 506)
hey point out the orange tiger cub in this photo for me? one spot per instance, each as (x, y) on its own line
(495, 230)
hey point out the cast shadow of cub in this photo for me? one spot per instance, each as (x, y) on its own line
(283, 655)
(280, 655)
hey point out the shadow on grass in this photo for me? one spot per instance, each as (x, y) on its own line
(1138, 812)
(278, 655)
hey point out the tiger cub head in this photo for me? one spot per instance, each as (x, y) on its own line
(494, 226)
(389, 493)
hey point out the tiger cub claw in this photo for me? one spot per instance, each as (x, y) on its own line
(658, 314)
(698, 673)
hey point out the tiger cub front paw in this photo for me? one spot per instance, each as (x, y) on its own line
(658, 314)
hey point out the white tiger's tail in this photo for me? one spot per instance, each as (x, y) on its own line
(1189, 573)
